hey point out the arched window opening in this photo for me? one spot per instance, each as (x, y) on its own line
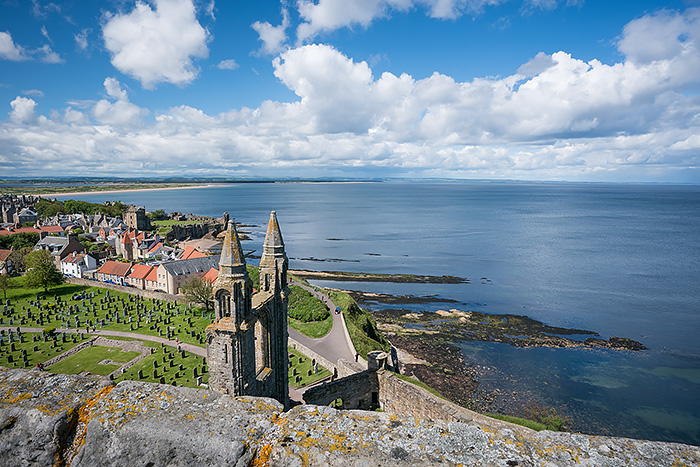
(262, 345)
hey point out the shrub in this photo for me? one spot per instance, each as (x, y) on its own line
(548, 416)
(50, 331)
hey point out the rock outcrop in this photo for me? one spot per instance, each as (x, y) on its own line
(48, 419)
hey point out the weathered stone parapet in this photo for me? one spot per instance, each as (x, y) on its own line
(73, 420)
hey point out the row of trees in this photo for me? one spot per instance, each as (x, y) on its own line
(48, 208)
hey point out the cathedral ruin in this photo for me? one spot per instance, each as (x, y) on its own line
(247, 342)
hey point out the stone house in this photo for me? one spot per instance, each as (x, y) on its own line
(136, 218)
(77, 264)
(137, 277)
(114, 272)
(173, 274)
(26, 215)
(60, 247)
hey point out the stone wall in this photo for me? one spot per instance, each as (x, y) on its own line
(129, 290)
(354, 390)
(48, 419)
(182, 232)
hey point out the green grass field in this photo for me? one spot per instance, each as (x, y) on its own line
(45, 349)
(152, 319)
(170, 367)
(302, 364)
(88, 360)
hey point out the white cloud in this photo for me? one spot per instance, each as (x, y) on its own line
(273, 37)
(661, 36)
(157, 45)
(558, 117)
(227, 64)
(23, 110)
(81, 39)
(47, 55)
(33, 92)
(119, 112)
(9, 50)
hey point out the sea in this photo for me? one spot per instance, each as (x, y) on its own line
(619, 260)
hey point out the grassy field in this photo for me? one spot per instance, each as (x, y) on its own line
(168, 366)
(38, 348)
(89, 359)
(117, 311)
(39, 189)
(302, 369)
(313, 329)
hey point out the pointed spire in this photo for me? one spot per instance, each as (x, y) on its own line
(231, 252)
(273, 238)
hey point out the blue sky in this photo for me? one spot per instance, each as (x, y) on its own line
(531, 89)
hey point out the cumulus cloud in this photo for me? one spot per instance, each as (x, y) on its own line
(118, 111)
(158, 45)
(661, 36)
(557, 117)
(23, 110)
(227, 64)
(47, 55)
(272, 37)
(9, 50)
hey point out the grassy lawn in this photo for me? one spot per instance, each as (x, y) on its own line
(89, 359)
(301, 366)
(45, 349)
(170, 367)
(153, 318)
(313, 329)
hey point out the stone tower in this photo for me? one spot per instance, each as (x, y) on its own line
(247, 342)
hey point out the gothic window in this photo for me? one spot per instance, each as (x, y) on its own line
(262, 344)
(224, 300)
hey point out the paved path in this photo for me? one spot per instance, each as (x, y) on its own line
(333, 345)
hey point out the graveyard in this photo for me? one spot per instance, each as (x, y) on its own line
(84, 310)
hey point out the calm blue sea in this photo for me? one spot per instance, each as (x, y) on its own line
(622, 260)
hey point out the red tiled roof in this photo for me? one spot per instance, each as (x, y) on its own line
(155, 247)
(140, 271)
(4, 254)
(153, 275)
(190, 252)
(126, 239)
(211, 275)
(47, 228)
(73, 258)
(115, 268)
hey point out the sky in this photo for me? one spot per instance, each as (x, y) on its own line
(551, 90)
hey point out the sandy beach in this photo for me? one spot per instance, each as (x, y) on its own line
(77, 193)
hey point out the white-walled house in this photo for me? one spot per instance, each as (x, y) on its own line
(75, 264)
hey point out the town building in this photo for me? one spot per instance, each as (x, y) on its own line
(173, 274)
(60, 247)
(136, 218)
(5, 262)
(247, 342)
(138, 274)
(114, 272)
(77, 264)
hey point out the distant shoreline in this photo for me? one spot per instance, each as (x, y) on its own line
(77, 193)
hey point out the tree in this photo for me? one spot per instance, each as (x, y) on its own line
(5, 285)
(197, 290)
(41, 270)
(17, 256)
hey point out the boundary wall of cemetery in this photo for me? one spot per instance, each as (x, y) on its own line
(130, 290)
